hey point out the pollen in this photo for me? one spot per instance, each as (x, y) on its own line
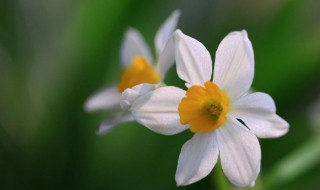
(139, 71)
(204, 108)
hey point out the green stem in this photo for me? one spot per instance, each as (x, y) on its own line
(219, 180)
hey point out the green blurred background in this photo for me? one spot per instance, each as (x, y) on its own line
(56, 53)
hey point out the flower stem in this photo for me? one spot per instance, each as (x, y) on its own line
(219, 180)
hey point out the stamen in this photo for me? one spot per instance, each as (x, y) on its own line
(215, 110)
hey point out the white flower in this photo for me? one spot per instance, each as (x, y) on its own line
(225, 118)
(138, 67)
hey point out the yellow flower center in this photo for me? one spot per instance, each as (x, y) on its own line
(139, 71)
(204, 108)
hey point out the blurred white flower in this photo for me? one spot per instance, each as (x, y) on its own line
(226, 119)
(138, 68)
(314, 114)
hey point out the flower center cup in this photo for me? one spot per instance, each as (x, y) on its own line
(204, 108)
(139, 71)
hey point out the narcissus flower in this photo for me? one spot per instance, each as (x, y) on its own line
(138, 67)
(224, 116)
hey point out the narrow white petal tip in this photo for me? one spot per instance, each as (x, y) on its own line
(178, 32)
(178, 182)
(102, 132)
(87, 107)
(175, 13)
(184, 182)
(252, 184)
(244, 33)
(106, 126)
(101, 100)
(90, 105)
(165, 31)
(283, 125)
(181, 182)
(130, 31)
(104, 129)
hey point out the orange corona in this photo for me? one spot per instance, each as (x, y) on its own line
(204, 108)
(139, 71)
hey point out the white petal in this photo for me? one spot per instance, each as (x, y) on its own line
(108, 125)
(234, 64)
(166, 59)
(131, 94)
(240, 153)
(166, 30)
(257, 111)
(158, 110)
(268, 126)
(257, 100)
(133, 45)
(193, 60)
(197, 158)
(104, 100)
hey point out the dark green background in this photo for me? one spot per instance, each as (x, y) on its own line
(55, 53)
